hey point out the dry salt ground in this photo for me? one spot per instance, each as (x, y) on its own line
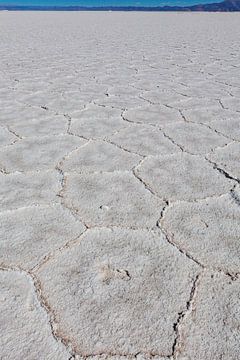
(120, 198)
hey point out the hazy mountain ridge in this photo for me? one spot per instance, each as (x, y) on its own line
(227, 6)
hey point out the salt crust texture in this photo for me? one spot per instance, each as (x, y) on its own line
(119, 174)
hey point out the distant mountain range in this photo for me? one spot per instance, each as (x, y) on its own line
(224, 6)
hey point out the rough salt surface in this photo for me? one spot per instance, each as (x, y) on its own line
(25, 328)
(227, 159)
(31, 188)
(115, 124)
(33, 121)
(228, 127)
(30, 234)
(97, 122)
(210, 115)
(144, 140)
(208, 230)
(213, 326)
(100, 300)
(112, 199)
(182, 177)
(153, 115)
(195, 138)
(6, 137)
(38, 153)
(97, 156)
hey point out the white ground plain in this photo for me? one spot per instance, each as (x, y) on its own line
(120, 198)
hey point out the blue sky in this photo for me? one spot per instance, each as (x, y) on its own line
(105, 2)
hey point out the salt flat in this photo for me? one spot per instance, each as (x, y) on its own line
(120, 198)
